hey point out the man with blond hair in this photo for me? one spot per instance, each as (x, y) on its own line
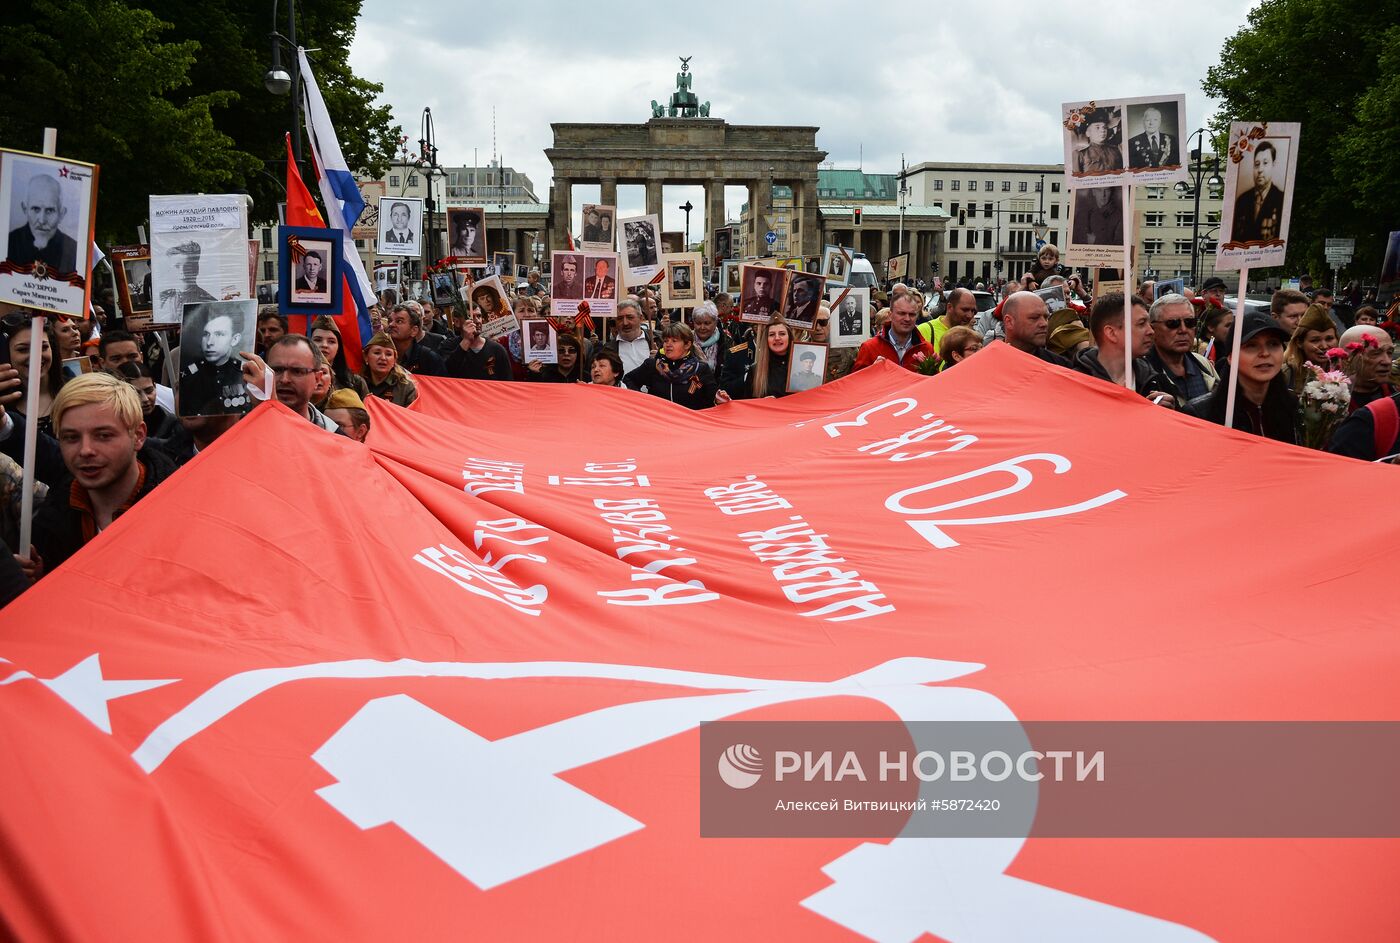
(97, 421)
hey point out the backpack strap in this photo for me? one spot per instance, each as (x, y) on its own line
(1385, 416)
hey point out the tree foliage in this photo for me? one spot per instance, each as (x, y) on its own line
(1333, 66)
(168, 96)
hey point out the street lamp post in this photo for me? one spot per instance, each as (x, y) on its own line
(426, 161)
(686, 207)
(1214, 182)
(278, 81)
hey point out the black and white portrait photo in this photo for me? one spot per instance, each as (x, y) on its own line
(47, 205)
(1262, 161)
(539, 341)
(729, 276)
(466, 234)
(199, 252)
(566, 275)
(503, 264)
(185, 260)
(641, 243)
(597, 232)
(444, 288)
(601, 282)
(836, 265)
(1258, 215)
(804, 297)
(761, 292)
(211, 378)
(138, 279)
(806, 367)
(850, 308)
(1154, 140)
(681, 287)
(1098, 218)
(724, 243)
(313, 276)
(400, 226)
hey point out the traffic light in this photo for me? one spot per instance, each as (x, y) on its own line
(856, 215)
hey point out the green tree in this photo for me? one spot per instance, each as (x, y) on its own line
(1333, 66)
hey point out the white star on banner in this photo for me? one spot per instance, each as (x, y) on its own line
(85, 689)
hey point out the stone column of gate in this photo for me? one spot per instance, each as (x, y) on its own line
(654, 199)
(714, 214)
(884, 250)
(608, 197)
(804, 196)
(761, 204)
(560, 211)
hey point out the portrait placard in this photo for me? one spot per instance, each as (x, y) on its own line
(498, 319)
(1263, 159)
(681, 288)
(850, 311)
(791, 263)
(762, 292)
(598, 227)
(540, 340)
(576, 276)
(466, 234)
(199, 251)
(1171, 286)
(400, 226)
(729, 276)
(639, 241)
(308, 270)
(367, 226)
(1124, 141)
(49, 211)
(898, 266)
(806, 366)
(211, 376)
(444, 286)
(1095, 227)
(804, 298)
(836, 265)
(132, 265)
(672, 242)
(1054, 298)
(722, 242)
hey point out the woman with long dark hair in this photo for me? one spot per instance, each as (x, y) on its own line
(772, 347)
(17, 349)
(325, 334)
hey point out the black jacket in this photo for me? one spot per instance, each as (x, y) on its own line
(697, 392)
(48, 458)
(735, 361)
(58, 529)
(491, 362)
(1146, 380)
(1355, 436)
(422, 361)
(1277, 419)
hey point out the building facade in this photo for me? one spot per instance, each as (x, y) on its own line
(1164, 221)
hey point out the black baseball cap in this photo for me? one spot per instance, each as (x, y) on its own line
(1255, 323)
(1214, 282)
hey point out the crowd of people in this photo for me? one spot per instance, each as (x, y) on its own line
(108, 432)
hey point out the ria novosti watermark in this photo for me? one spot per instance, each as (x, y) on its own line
(991, 778)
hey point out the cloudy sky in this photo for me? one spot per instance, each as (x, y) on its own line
(954, 81)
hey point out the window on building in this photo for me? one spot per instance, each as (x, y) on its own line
(1156, 193)
(1182, 247)
(967, 268)
(972, 185)
(957, 184)
(413, 180)
(508, 175)
(1208, 247)
(471, 178)
(1006, 186)
(1053, 237)
(1039, 184)
(972, 239)
(1185, 219)
(972, 211)
(987, 209)
(393, 180)
(1054, 186)
(1021, 186)
(952, 239)
(989, 185)
(1153, 246)
(938, 205)
(267, 238)
(987, 238)
(1213, 217)
(1154, 219)
(269, 271)
(938, 184)
(954, 210)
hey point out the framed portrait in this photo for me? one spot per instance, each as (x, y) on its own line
(601, 283)
(199, 251)
(1054, 298)
(1096, 227)
(566, 276)
(444, 287)
(400, 226)
(503, 264)
(762, 292)
(806, 366)
(672, 242)
(804, 296)
(308, 270)
(367, 226)
(598, 227)
(681, 288)
(729, 276)
(836, 265)
(723, 243)
(539, 340)
(897, 266)
(639, 243)
(211, 372)
(1124, 141)
(498, 319)
(466, 234)
(792, 264)
(850, 313)
(48, 205)
(1172, 286)
(132, 266)
(1262, 162)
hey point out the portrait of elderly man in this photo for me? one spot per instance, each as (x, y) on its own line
(1153, 147)
(41, 239)
(1259, 210)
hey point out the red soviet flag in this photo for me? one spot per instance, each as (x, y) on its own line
(467, 691)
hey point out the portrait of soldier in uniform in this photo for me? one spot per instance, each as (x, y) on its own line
(211, 382)
(185, 259)
(760, 293)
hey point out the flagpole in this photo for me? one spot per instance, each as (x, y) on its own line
(31, 405)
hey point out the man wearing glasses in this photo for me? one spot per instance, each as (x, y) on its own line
(294, 362)
(1173, 354)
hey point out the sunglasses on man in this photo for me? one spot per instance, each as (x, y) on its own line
(1174, 323)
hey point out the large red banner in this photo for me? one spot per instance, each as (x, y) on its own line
(451, 684)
